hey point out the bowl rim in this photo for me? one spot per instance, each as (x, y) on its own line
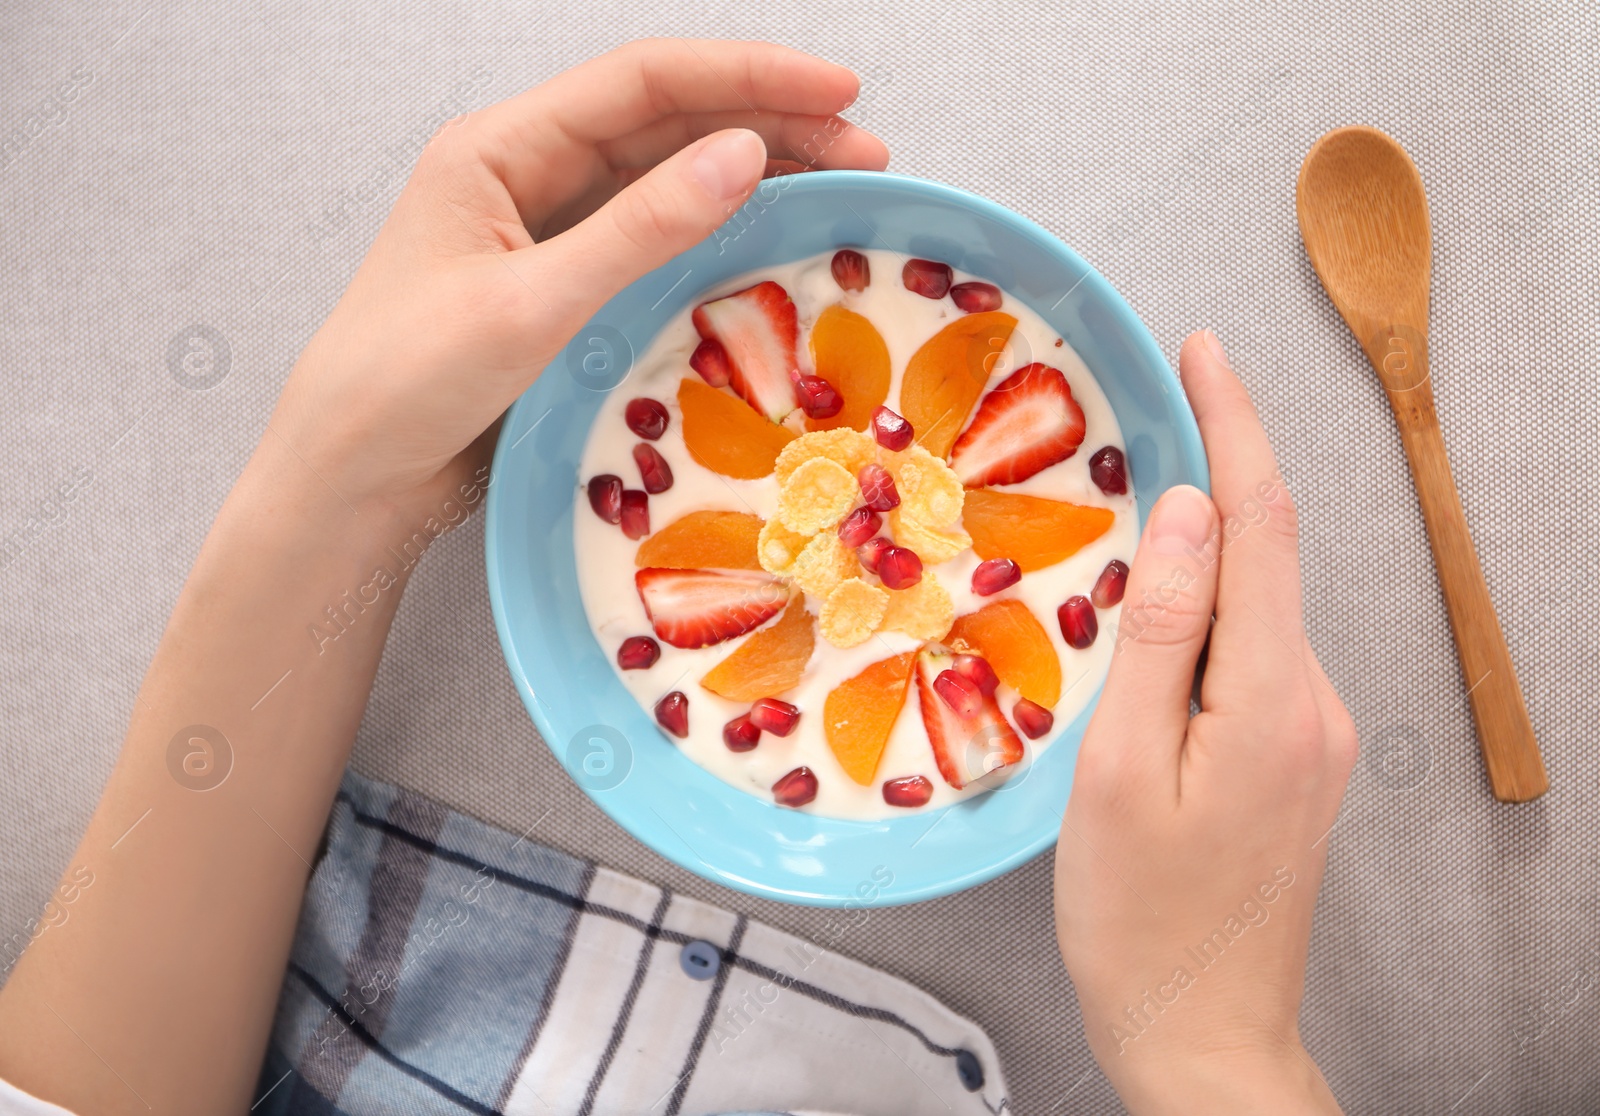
(1185, 431)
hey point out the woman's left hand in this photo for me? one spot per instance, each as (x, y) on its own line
(523, 219)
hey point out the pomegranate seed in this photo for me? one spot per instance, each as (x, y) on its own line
(818, 398)
(913, 790)
(605, 497)
(1110, 585)
(859, 526)
(973, 297)
(994, 575)
(899, 567)
(638, 653)
(871, 552)
(959, 693)
(774, 716)
(646, 418)
(976, 669)
(1078, 623)
(741, 734)
(710, 359)
(928, 278)
(796, 788)
(1032, 718)
(635, 514)
(850, 270)
(653, 468)
(892, 431)
(672, 713)
(1109, 471)
(877, 488)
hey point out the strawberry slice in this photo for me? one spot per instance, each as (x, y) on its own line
(757, 329)
(1027, 423)
(696, 608)
(965, 748)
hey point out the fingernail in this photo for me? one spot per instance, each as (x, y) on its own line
(1181, 522)
(1214, 347)
(728, 165)
(856, 96)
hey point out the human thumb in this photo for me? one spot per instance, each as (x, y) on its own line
(1166, 616)
(665, 212)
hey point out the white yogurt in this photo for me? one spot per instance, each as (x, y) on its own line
(605, 557)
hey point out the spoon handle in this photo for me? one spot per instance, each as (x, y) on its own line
(1510, 751)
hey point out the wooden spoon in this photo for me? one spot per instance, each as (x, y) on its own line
(1364, 220)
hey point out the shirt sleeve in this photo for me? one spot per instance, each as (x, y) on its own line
(14, 1102)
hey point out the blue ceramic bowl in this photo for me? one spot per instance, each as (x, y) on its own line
(611, 746)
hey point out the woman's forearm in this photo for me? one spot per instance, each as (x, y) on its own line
(157, 989)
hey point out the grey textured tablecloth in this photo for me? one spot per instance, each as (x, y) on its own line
(209, 167)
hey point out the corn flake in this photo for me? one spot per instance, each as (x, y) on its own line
(816, 495)
(932, 544)
(929, 489)
(924, 611)
(853, 612)
(823, 564)
(777, 547)
(850, 449)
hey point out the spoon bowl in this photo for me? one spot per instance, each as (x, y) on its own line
(1364, 218)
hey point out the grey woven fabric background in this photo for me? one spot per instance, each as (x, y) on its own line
(205, 172)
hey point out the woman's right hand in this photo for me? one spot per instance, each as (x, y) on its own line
(1193, 848)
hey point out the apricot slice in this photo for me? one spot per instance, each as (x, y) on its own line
(848, 351)
(769, 662)
(1010, 637)
(725, 435)
(1030, 530)
(944, 378)
(704, 540)
(860, 714)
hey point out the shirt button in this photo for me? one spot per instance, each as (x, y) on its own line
(700, 959)
(969, 1070)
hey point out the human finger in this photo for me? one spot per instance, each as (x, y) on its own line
(816, 142)
(1260, 572)
(666, 211)
(1165, 618)
(533, 138)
